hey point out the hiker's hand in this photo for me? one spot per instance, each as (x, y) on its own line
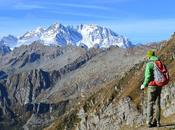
(142, 87)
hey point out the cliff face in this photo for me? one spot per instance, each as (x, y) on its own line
(75, 88)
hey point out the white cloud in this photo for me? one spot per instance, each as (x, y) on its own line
(55, 5)
(22, 6)
(88, 6)
(82, 14)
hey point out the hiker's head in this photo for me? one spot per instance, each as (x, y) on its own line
(150, 53)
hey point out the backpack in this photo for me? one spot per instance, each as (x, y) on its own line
(161, 75)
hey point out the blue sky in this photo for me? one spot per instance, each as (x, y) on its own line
(139, 20)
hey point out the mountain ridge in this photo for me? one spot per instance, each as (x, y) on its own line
(88, 35)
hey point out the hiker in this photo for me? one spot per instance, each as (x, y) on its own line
(153, 89)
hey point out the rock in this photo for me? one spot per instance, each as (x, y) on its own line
(114, 116)
(168, 100)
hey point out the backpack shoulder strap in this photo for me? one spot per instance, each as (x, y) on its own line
(160, 66)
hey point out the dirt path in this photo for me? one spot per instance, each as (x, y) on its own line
(163, 127)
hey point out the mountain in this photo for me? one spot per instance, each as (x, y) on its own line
(101, 36)
(9, 40)
(4, 49)
(58, 34)
(40, 84)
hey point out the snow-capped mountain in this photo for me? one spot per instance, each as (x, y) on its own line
(103, 37)
(30, 37)
(34, 33)
(86, 35)
(55, 34)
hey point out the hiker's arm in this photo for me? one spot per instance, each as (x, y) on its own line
(147, 75)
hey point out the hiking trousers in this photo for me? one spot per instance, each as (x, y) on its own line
(154, 95)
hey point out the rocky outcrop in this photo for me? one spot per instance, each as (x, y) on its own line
(168, 100)
(25, 87)
(43, 114)
(111, 117)
(41, 108)
(116, 114)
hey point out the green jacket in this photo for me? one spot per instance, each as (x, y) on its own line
(149, 70)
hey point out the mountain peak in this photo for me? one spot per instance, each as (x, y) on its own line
(39, 30)
(90, 35)
(34, 33)
(55, 26)
(94, 35)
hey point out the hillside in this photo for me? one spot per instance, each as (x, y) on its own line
(120, 104)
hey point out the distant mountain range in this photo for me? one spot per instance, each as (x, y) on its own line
(82, 35)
